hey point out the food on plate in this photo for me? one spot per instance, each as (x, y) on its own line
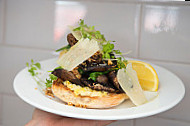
(92, 74)
(128, 81)
(79, 52)
(146, 74)
(85, 96)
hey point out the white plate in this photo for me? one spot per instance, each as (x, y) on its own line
(171, 91)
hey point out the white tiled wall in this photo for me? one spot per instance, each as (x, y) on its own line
(15, 111)
(165, 33)
(1, 108)
(1, 19)
(13, 59)
(32, 29)
(30, 23)
(114, 20)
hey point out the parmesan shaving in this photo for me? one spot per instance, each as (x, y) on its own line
(76, 34)
(128, 81)
(78, 53)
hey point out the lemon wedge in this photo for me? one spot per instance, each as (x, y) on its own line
(146, 74)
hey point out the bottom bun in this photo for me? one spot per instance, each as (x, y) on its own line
(68, 96)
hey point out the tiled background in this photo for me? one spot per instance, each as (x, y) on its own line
(156, 32)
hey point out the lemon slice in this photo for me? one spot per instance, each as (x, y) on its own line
(146, 74)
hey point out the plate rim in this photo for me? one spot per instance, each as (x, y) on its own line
(140, 115)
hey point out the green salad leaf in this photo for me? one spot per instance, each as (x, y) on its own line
(107, 46)
(121, 63)
(59, 67)
(64, 48)
(107, 49)
(49, 81)
(89, 32)
(32, 69)
(94, 75)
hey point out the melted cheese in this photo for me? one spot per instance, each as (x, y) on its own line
(128, 81)
(84, 91)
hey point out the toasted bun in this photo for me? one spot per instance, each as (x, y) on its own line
(68, 96)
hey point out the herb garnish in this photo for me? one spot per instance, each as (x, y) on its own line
(107, 49)
(64, 48)
(59, 67)
(89, 32)
(121, 63)
(32, 69)
(107, 46)
(49, 81)
(94, 75)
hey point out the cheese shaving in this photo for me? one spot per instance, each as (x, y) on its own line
(78, 53)
(76, 34)
(128, 81)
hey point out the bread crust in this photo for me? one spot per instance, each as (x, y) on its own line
(68, 96)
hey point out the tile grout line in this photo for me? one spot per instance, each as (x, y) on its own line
(2, 106)
(1, 109)
(139, 31)
(167, 3)
(166, 61)
(9, 94)
(3, 42)
(4, 34)
(134, 122)
(4, 22)
(26, 47)
(45, 49)
(172, 119)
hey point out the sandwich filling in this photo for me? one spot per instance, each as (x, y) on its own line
(84, 91)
